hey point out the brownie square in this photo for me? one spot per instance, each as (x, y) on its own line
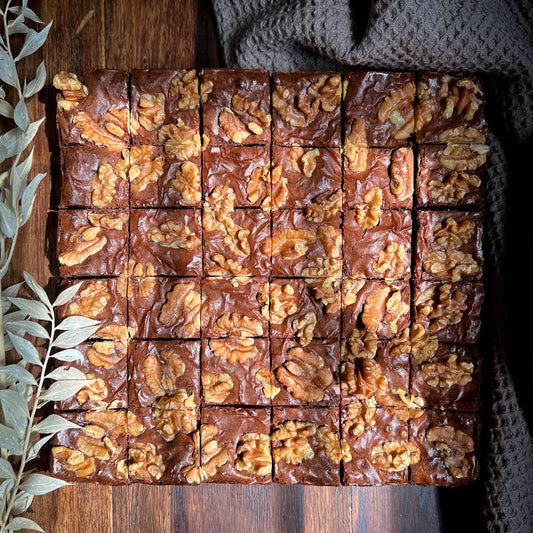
(448, 378)
(306, 375)
(164, 307)
(243, 435)
(244, 244)
(447, 106)
(162, 97)
(449, 311)
(93, 177)
(160, 369)
(306, 109)
(96, 112)
(229, 371)
(381, 251)
(232, 309)
(449, 246)
(158, 180)
(96, 452)
(106, 363)
(305, 446)
(378, 307)
(154, 459)
(246, 169)
(439, 183)
(447, 442)
(168, 239)
(309, 173)
(385, 102)
(378, 440)
(301, 247)
(389, 171)
(381, 376)
(100, 299)
(92, 243)
(296, 310)
(236, 106)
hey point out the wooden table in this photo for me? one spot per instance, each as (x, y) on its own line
(126, 34)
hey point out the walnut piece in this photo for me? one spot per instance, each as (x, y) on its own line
(253, 454)
(111, 134)
(182, 309)
(106, 354)
(326, 289)
(360, 415)
(145, 167)
(364, 381)
(258, 188)
(453, 445)
(255, 118)
(172, 234)
(451, 234)
(331, 444)
(113, 422)
(325, 206)
(462, 135)
(361, 345)
(229, 267)
(234, 350)
(100, 220)
(146, 464)
(216, 387)
(74, 461)
(94, 392)
(304, 328)
(237, 325)
(282, 302)
(141, 287)
(174, 414)
(446, 371)
(302, 109)
(280, 192)
(383, 304)
(184, 89)
(213, 456)
(302, 161)
(233, 127)
(72, 89)
(395, 456)
(425, 107)
(181, 142)
(295, 446)
(392, 261)
(464, 157)
(422, 346)
(305, 375)
(454, 187)
(151, 111)
(331, 239)
(86, 241)
(104, 185)
(289, 243)
(452, 265)
(91, 300)
(397, 108)
(269, 382)
(402, 173)
(161, 376)
(356, 146)
(458, 96)
(369, 213)
(350, 290)
(187, 183)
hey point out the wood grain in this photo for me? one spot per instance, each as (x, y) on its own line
(132, 34)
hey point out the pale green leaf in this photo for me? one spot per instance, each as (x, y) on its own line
(35, 448)
(34, 41)
(70, 339)
(62, 373)
(10, 440)
(26, 12)
(28, 197)
(62, 390)
(69, 356)
(66, 295)
(38, 484)
(53, 424)
(11, 143)
(18, 179)
(32, 308)
(8, 70)
(30, 327)
(17, 26)
(32, 130)
(19, 373)
(20, 115)
(76, 322)
(15, 410)
(6, 109)
(36, 84)
(8, 220)
(22, 502)
(25, 349)
(5, 487)
(6, 470)
(15, 316)
(9, 292)
(19, 523)
(37, 289)
(25, 390)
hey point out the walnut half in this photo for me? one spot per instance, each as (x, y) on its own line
(253, 454)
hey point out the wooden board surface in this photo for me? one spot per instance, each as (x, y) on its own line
(128, 34)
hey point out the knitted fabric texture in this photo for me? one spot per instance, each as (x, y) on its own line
(483, 36)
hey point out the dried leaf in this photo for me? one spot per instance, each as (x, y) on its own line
(6, 470)
(67, 295)
(69, 356)
(62, 390)
(53, 424)
(26, 12)
(30, 327)
(10, 143)
(38, 484)
(6, 109)
(36, 84)
(70, 339)
(32, 308)
(77, 322)
(14, 406)
(62, 373)
(22, 503)
(25, 349)
(37, 289)
(8, 70)
(18, 179)
(20, 115)
(34, 450)
(23, 523)
(34, 41)
(10, 440)
(28, 197)
(8, 220)
(18, 373)
(9, 292)
(5, 487)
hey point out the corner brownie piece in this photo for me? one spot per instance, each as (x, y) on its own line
(307, 375)
(163, 446)
(305, 446)
(236, 106)
(449, 246)
(232, 371)
(450, 109)
(307, 109)
(161, 98)
(170, 240)
(447, 442)
(93, 177)
(379, 108)
(242, 439)
(96, 452)
(93, 109)
(92, 243)
(381, 250)
(159, 370)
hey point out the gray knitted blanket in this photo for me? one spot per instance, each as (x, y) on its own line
(482, 36)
